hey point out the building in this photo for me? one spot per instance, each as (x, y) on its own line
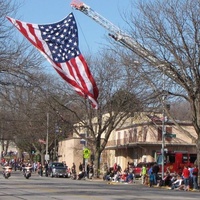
(137, 140)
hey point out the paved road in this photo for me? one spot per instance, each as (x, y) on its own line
(46, 188)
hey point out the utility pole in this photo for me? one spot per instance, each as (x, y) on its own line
(47, 139)
(56, 133)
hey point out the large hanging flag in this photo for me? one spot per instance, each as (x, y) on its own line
(58, 42)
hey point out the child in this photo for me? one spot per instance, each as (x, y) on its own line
(151, 179)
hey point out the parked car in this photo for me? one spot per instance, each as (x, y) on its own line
(57, 169)
(138, 168)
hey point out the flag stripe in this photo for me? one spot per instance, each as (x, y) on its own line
(90, 77)
(78, 76)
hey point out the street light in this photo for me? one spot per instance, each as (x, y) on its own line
(163, 125)
(84, 142)
(163, 142)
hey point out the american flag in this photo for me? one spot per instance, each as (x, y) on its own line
(58, 42)
(42, 141)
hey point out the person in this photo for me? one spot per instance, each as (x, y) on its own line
(91, 171)
(151, 179)
(186, 176)
(40, 169)
(166, 179)
(174, 177)
(143, 173)
(81, 174)
(106, 175)
(46, 168)
(73, 168)
(190, 168)
(34, 166)
(88, 170)
(194, 177)
(110, 175)
(117, 176)
(7, 170)
(80, 167)
(155, 170)
(177, 183)
(115, 167)
(130, 177)
(150, 170)
(124, 175)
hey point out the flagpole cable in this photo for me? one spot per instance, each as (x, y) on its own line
(84, 36)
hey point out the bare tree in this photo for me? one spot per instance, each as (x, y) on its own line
(17, 59)
(180, 110)
(169, 33)
(21, 83)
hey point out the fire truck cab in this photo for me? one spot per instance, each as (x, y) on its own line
(176, 160)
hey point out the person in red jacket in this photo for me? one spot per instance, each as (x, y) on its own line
(186, 176)
(194, 176)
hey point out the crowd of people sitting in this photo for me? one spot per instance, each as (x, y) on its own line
(185, 180)
(115, 174)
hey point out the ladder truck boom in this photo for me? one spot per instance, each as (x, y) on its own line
(115, 32)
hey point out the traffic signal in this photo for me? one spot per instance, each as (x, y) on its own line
(33, 151)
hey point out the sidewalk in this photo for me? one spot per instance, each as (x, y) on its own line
(138, 182)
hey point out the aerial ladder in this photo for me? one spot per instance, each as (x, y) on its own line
(116, 33)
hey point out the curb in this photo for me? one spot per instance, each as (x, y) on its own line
(169, 188)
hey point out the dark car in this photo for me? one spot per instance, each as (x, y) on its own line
(57, 169)
(138, 168)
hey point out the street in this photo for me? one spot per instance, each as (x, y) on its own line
(46, 188)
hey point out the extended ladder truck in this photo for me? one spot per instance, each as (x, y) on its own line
(122, 37)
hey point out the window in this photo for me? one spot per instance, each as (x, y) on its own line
(171, 158)
(159, 133)
(168, 131)
(145, 134)
(193, 158)
(135, 135)
(185, 158)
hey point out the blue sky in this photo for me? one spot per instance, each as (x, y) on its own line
(91, 34)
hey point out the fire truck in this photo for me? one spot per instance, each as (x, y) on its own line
(176, 160)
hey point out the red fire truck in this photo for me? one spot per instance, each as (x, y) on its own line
(176, 160)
